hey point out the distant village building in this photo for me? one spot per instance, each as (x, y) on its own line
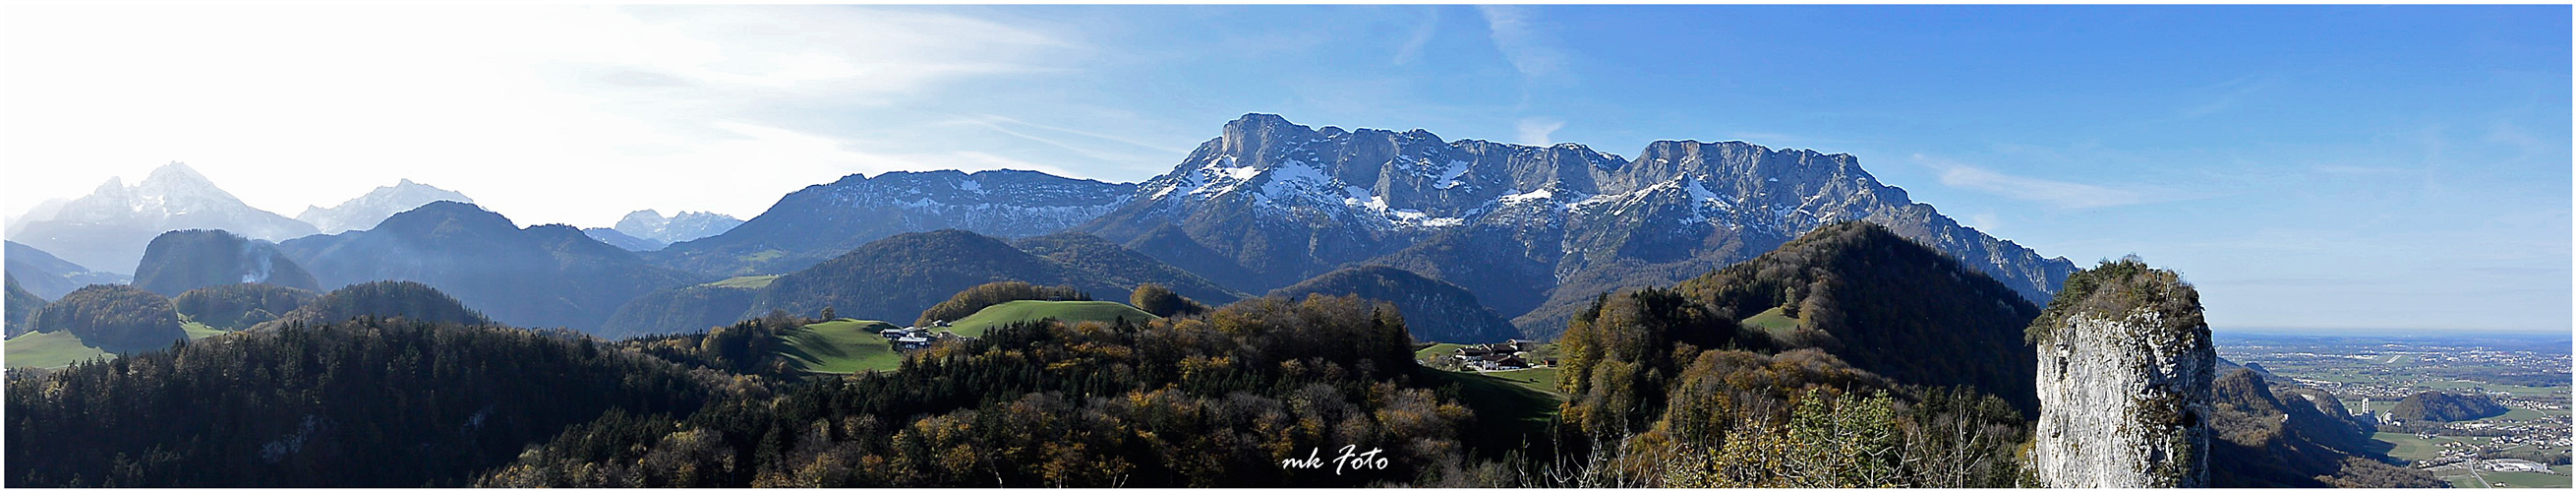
(2513, 465)
(918, 337)
(1496, 356)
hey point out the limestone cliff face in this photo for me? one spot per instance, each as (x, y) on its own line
(2125, 365)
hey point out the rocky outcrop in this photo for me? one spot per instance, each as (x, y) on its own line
(2125, 369)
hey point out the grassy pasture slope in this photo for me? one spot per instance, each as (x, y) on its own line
(973, 325)
(61, 348)
(1509, 412)
(746, 282)
(49, 349)
(841, 346)
(1773, 321)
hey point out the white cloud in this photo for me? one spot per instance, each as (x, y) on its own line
(1532, 50)
(1412, 47)
(1536, 131)
(2234, 90)
(1983, 221)
(2061, 194)
(518, 106)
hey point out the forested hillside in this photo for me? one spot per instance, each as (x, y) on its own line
(897, 277)
(1884, 303)
(2266, 435)
(1740, 377)
(1441, 311)
(2438, 406)
(1659, 410)
(680, 310)
(1124, 267)
(367, 403)
(239, 306)
(179, 261)
(114, 318)
(22, 307)
(1217, 401)
(382, 299)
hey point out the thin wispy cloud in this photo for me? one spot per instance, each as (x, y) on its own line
(2509, 134)
(1539, 131)
(1983, 221)
(1412, 48)
(994, 119)
(2230, 93)
(1006, 126)
(2061, 194)
(1530, 47)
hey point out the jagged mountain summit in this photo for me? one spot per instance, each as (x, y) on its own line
(1535, 232)
(823, 221)
(108, 229)
(650, 224)
(366, 210)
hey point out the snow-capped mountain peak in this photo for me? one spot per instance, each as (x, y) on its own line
(1285, 201)
(365, 211)
(687, 225)
(107, 230)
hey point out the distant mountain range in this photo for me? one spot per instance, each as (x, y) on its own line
(49, 277)
(1535, 232)
(898, 277)
(648, 230)
(107, 230)
(366, 210)
(540, 276)
(623, 241)
(823, 221)
(1532, 233)
(684, 226)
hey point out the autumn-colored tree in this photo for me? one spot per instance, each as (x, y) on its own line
(1161, 301)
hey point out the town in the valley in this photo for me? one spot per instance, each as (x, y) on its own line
(2525, 445)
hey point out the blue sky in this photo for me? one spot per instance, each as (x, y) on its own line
(2382, 167)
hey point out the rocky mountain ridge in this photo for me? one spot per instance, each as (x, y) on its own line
(1549, 227)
